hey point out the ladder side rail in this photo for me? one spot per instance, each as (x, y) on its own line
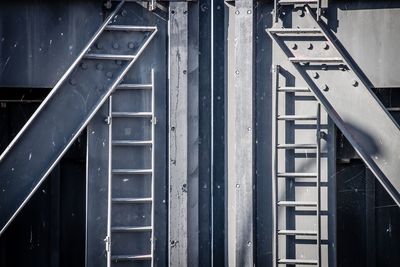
(318, 171)
(275, 170)
(153, 124)
(110, 175)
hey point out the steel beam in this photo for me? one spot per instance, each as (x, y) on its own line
(178, 134)
(240, 185)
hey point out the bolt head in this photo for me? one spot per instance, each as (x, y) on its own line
(294, 46)
(300, 12)
(325, 88)
(310, 46)
(315, 75)
(72, 81)
(84, 66)
(355, 83)
(99, 46)
(237, 12)
(115, 46)
(99, 66)
(325, 46)
(109, 74)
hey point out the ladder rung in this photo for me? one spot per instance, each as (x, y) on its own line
(297, 203)
(131, 257)
(128, 86)
(297, 2)
(132, 200)
(297, 117)
(296, 146)
(132, 142)
(109, 56)
(295, 31)
(297, 261)
(293, 89)
(297, 232)
(132, 114)
(131, 228)
(297, 174)
(129, 28)
(316, 59)
(132, 171)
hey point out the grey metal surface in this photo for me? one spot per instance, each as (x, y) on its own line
(178, 134)
(132, 208)
(295, 179)
(46, 137)
(97, 188)
(298, 167)
(240, 126)
(41, 39)
(131, 193)
(338, 89)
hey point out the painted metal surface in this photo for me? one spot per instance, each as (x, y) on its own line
(178, 135)
(377, 145)
(46, 137)
(240, 127)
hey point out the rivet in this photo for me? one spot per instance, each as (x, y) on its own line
(172, 128)
(99, 66)
(248, 11)
(294, 46)
(324, 67)
(315, 75)
(84, 66)
(325, 88)
(115, 46)
(249, 243)
(109, 74)
(118, 62)
(172, 12)
(237, 185)
(173, 161)
(237, 12)
(72, 81)
(310, 46)
(184, 72)
(99, 46)
(185, 12)
(355, 83)
(249, 129)
(325, 46)
(131, 45)
(300, 12)
(237, 72)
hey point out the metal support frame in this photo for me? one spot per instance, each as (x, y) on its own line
(345, 86)
(240, 184)
(178, 135)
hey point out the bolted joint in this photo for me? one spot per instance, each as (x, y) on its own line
(107, 120)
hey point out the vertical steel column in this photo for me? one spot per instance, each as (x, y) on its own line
(240, 129)
(178, 134)
(97, 188)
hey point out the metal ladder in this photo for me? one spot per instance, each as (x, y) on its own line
(338, 84)
(278, 175)
(65, 112)
(125, 201)
(279, 3)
